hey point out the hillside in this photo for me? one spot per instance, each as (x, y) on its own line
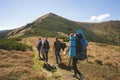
(4, 33)
(52, 25)
(103, 63)
(107, 32)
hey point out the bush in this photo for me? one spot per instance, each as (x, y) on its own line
(65, 39)
(12, 44)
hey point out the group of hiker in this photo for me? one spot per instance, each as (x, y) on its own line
(44, 46)
(77, 50)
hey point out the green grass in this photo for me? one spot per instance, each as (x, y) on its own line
(37, 63)
(53, 24)
(12, 44)
(104, 32)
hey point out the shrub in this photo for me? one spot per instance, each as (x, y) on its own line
(65, 39)
(12, 44)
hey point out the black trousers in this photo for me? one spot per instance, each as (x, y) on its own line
(45, 56)
(74, 63)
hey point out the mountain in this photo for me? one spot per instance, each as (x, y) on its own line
(4, 33)
(52, 25)
(106, 32)
(47, 25)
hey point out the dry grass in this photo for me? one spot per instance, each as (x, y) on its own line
(103, 63)
(102, 59)
(106, 54)
(18, 65)
(14, 64)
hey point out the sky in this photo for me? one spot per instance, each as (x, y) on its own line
(17, 13)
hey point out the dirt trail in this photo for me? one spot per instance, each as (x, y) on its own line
(51, 70)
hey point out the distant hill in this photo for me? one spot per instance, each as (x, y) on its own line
(4, 33)
(52, 25)
(106, 32)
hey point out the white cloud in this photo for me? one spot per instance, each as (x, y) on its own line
(100, 17)
(93, 18)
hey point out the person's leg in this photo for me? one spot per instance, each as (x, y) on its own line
(46, 56)
(70, 61)
(39, 53)
(56, 55)
(74, 66)
(42, 53)
(59, 56)
(76, 71)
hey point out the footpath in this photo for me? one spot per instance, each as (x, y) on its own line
(51, 70)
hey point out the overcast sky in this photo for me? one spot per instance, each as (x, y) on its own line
(16, 13)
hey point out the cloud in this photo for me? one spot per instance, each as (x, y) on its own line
(100, 17)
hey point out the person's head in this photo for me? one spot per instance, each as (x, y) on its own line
(71, 34)
(79, 36)
(56, 38)
(39, 38)
(46, 38)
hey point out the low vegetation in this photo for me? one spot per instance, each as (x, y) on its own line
(49, 25)
(16, 65)
(13, 44)
(102, 64)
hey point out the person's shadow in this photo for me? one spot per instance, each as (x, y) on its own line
(49, 67)
(64, 66)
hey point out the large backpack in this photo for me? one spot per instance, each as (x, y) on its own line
(39, 45)
(72, 46)
(80, 49)
(63, 46)
(46, 45)
(78, 46)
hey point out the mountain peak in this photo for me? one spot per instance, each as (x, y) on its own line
(51, 14)
(45, 16)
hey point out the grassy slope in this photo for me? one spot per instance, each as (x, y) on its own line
(15, 65)
(103, 63)
(108, 32)
(4, 33)
(50, 24)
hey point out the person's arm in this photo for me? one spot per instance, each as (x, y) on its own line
(53, 47)
(48, 46)
(67, 50)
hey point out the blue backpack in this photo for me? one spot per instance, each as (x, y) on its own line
(78, 47)
(73, 46)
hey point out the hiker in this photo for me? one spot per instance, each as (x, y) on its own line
(39, 44)
(46, 48)
(76, 49)
(57, 49)
(75, 58)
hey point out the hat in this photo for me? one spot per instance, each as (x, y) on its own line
(71, 34)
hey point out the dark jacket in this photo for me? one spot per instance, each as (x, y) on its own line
(57, 45)
(39, 45)
(46, 45)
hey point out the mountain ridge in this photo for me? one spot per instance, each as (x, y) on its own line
(52, 25)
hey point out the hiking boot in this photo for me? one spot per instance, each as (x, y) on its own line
(60, 61)
(75, 76)
(81, 77)
(46, 62)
